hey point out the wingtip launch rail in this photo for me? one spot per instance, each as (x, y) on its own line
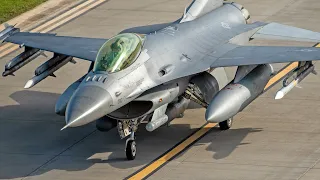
(30, 54)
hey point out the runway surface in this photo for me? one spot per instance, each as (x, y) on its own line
(271, 139)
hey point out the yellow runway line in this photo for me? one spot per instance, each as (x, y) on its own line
(281, 74)
(61, 22)
(172, 153)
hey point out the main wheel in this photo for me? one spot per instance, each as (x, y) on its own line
(225, 125)
(131, 150)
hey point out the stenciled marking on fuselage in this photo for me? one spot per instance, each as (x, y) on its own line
(306, 50)
(170, 30)
(225, 25)
(131, 83)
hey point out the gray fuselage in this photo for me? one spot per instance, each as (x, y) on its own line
(166, 55)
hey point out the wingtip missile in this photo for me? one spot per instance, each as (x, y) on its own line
(295, 83)
(6, 25)
(7, 32)
(279, 95)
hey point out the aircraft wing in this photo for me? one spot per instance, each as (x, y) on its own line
(249, 55)
(83, 48)
(238, 55)
(278, 31)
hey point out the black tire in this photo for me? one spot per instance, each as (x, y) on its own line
(131, 150)
(225, 125)
(105, 124)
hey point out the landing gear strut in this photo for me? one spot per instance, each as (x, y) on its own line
(128, 128)
(193, 93)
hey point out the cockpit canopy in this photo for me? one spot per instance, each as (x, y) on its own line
(118, 53)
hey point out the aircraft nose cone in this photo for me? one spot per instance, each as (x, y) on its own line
(88, 104)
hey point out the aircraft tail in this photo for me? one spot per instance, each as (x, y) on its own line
(199, 8)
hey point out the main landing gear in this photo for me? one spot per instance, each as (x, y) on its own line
(193, 93)
(225, 125)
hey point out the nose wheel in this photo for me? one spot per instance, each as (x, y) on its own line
(131, 148)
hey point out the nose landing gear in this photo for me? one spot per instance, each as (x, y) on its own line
(128, 128)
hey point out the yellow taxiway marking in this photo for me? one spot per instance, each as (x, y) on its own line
(172, 153)
(281, 74)
(58, 21)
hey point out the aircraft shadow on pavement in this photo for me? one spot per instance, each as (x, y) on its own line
(31, 129)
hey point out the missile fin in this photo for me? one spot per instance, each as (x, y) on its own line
(43, 54)
(53, 75)
(73, 61)
(298, 86)
(314, 72)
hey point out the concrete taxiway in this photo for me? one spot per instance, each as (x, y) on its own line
(271, 139)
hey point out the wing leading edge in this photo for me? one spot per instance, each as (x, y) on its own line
(278, 31)
(238, 55)
(249, 55)
(83, 48)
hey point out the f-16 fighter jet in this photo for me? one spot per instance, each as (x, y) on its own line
(151, 74)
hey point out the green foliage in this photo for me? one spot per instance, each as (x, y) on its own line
(11, 8)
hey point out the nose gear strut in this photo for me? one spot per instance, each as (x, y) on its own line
(128, 128)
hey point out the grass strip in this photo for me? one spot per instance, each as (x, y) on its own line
(12, 8)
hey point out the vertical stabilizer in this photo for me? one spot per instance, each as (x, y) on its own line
(199, 8)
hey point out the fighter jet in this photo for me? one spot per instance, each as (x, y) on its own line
(152, 74)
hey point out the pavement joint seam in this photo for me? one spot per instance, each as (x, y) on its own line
(261, 165)
(309, 168)
(215, 135)
(54, 157)
(139, 10)
(284, 7)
